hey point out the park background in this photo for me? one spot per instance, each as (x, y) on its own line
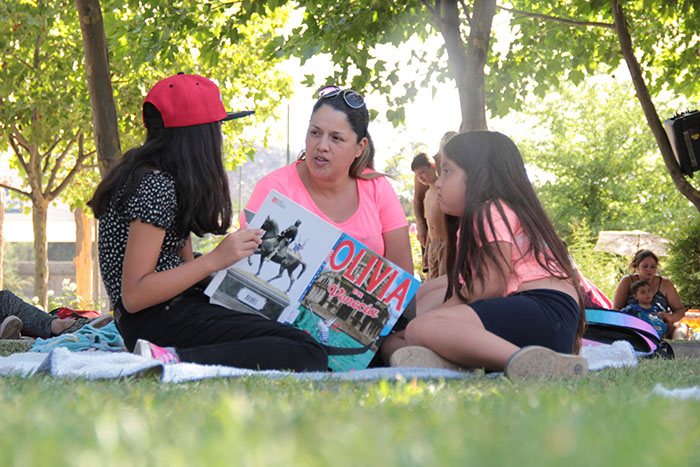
(591, 152)
(570, 106)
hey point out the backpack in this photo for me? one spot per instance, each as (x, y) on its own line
(608, 326)
(64, 312)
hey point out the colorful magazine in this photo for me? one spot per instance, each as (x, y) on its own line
(309, 274)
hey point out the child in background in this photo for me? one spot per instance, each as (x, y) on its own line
(511, 299)
(645, 308)
(424, 169)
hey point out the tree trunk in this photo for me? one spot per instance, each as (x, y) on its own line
(2, 238)
(467, 68)
(104, 111)
(649, 109)
(41, 254)
(83, 257)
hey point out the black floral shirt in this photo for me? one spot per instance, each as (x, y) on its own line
(153, 202)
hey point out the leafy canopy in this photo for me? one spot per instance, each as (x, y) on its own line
(598, 162)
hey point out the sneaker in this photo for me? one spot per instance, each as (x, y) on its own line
(422, 357)
(11, 328)
(540, 362)
(97, 323)
(149, 350)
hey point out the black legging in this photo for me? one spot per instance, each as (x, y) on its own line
(211, 334)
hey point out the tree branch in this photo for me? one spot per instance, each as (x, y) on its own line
(37, 47)
(75, 170)
(433, 11)
(652, 116)
(16, 190)
(571, 22)
(57, 165)
(20, 137)
(22, 61)
(47, 154)
(18, 153)
(466, 12)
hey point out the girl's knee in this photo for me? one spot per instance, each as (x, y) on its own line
(416, 328)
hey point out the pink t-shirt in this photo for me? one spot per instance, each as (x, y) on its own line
(524, 267)
(378, 211)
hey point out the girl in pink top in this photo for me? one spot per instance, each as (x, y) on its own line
(334, 178)
(511, 299)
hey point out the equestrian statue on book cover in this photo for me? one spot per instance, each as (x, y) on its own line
(274, 247)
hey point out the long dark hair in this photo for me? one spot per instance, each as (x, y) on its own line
(496, 175)
(359, 121)
(192, 156)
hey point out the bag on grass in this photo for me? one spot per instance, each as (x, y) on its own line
(64, 312)
(608, 326)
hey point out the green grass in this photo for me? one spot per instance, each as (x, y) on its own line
(605, 418)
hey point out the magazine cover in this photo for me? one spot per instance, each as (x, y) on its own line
(309, 274)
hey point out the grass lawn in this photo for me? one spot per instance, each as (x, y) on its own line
(605, 418)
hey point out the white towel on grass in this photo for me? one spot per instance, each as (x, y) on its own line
(615, 355)
(61, 362)
(677, 393)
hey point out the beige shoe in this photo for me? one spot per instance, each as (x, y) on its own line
(422, 357)
(540, 362)
(11, 328)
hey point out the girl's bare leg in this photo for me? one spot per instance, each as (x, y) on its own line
(456, 333)
(393, 343)
(431, 295)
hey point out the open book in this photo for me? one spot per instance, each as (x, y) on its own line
(309, 274)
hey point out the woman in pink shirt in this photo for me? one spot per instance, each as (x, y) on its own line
(511, 298)
(334, 178)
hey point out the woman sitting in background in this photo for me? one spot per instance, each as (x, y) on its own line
(644, 267)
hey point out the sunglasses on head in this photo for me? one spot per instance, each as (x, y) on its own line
(352, 98)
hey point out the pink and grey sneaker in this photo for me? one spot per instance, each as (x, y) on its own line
(150, 350)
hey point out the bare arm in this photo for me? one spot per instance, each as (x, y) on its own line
(397, 248)
(495, 281)
(186, 252)
(419, 190)
(622, 292)
(143, 287)
(674, 301)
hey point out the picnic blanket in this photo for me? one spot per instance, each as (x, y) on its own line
(61, 362)
(98, 364)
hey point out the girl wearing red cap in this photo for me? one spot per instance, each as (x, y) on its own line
(159, 193)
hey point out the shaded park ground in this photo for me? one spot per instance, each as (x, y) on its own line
(609, 417)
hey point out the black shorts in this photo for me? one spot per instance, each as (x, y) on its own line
(533, 317)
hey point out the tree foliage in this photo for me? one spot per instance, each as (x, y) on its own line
(569, 41)
(353, 33)
(683, 262)
(42, 110)
(656, 41)
(150, 42)
(44, 105)
(598, 163)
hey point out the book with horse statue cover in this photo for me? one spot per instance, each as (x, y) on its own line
(309, 274)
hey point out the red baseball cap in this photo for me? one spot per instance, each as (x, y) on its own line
(188, 100)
